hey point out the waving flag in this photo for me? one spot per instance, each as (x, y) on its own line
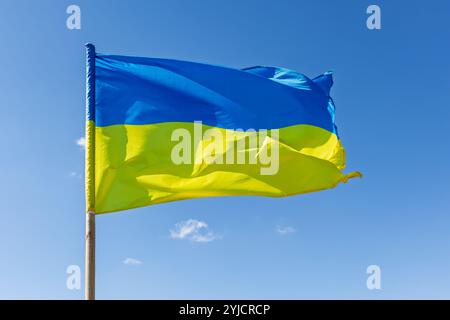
(162, 130)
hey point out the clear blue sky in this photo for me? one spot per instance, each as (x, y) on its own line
(392, 96)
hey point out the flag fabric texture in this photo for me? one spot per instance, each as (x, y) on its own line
(166, 130)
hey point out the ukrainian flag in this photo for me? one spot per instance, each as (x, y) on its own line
(161, 130)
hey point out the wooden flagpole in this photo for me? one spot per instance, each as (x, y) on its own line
(89, 292)
(90, 173)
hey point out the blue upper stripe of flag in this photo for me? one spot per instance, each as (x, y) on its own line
(132, 90)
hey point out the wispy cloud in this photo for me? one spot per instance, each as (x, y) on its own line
(285, 230)
(193, 230)
(74, 174)
(81, 142)
(132, 261)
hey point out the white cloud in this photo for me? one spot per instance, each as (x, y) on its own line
(132, 261)
(285, 230)
(193, 230)
(81, 142)
(74, 174)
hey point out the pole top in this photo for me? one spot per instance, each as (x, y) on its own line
(90, 48)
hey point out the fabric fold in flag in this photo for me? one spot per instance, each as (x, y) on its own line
(168, 130)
